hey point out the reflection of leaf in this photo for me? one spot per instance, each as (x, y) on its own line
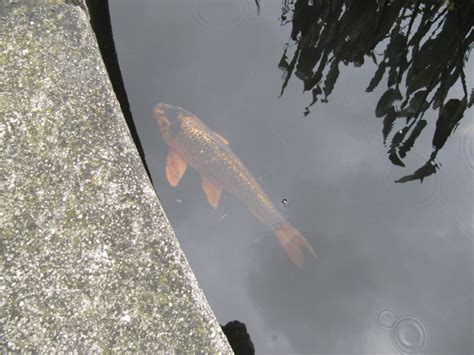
(377, 77)
(386, 101)
(447, 81)
(418, 102)
(392, 76)
(430, 49)
(316, 91)
(390, 117)
(404, 113)
(408, 143)
(426, 170)
(426, 46)
(257, 3)
(390, 14)
(331, 78)
(422, 79)
(396, 140)
(283, 64)
(307, 60)
(449, 117)
(398, 137)
(396, 47)
(289, 69)
(423, 28)
(373, 57)
(316, 78)
(395, 159)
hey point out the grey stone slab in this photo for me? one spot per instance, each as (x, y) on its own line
(88, 259)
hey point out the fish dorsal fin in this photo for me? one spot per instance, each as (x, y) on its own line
(175, 168)
(213, 192)
(222, 139)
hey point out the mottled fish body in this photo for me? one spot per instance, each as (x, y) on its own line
(192, 143)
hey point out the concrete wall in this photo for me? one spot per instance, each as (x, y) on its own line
(88, 259)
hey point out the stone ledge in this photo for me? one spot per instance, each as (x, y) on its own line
(88, 259)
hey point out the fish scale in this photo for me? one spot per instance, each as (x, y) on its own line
(202, 152)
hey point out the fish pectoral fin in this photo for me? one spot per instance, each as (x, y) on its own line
(213, 192)
(222, 139)
(175, 168)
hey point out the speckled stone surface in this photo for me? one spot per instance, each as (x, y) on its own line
(88, 260)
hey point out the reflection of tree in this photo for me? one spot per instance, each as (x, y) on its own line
(426, 44)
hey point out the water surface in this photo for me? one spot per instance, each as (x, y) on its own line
(395, 267)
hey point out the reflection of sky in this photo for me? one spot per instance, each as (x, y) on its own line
(403, 247)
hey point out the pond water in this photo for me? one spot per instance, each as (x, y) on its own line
(395, 260)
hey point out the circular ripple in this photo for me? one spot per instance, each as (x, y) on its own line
(430, 193)
(387, 319)
(221, 14)
(464, 144)
(409, 335)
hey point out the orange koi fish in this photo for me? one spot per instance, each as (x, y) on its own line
(193, 143)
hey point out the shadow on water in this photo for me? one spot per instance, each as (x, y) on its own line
(426, 44)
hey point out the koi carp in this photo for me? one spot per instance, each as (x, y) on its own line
(192, 143)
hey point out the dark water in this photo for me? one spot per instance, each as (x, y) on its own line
(395, 267)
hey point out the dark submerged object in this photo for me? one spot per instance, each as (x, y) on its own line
(238, 337)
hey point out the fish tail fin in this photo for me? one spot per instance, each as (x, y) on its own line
(292, 241)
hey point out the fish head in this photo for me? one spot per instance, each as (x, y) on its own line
(169, 119)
